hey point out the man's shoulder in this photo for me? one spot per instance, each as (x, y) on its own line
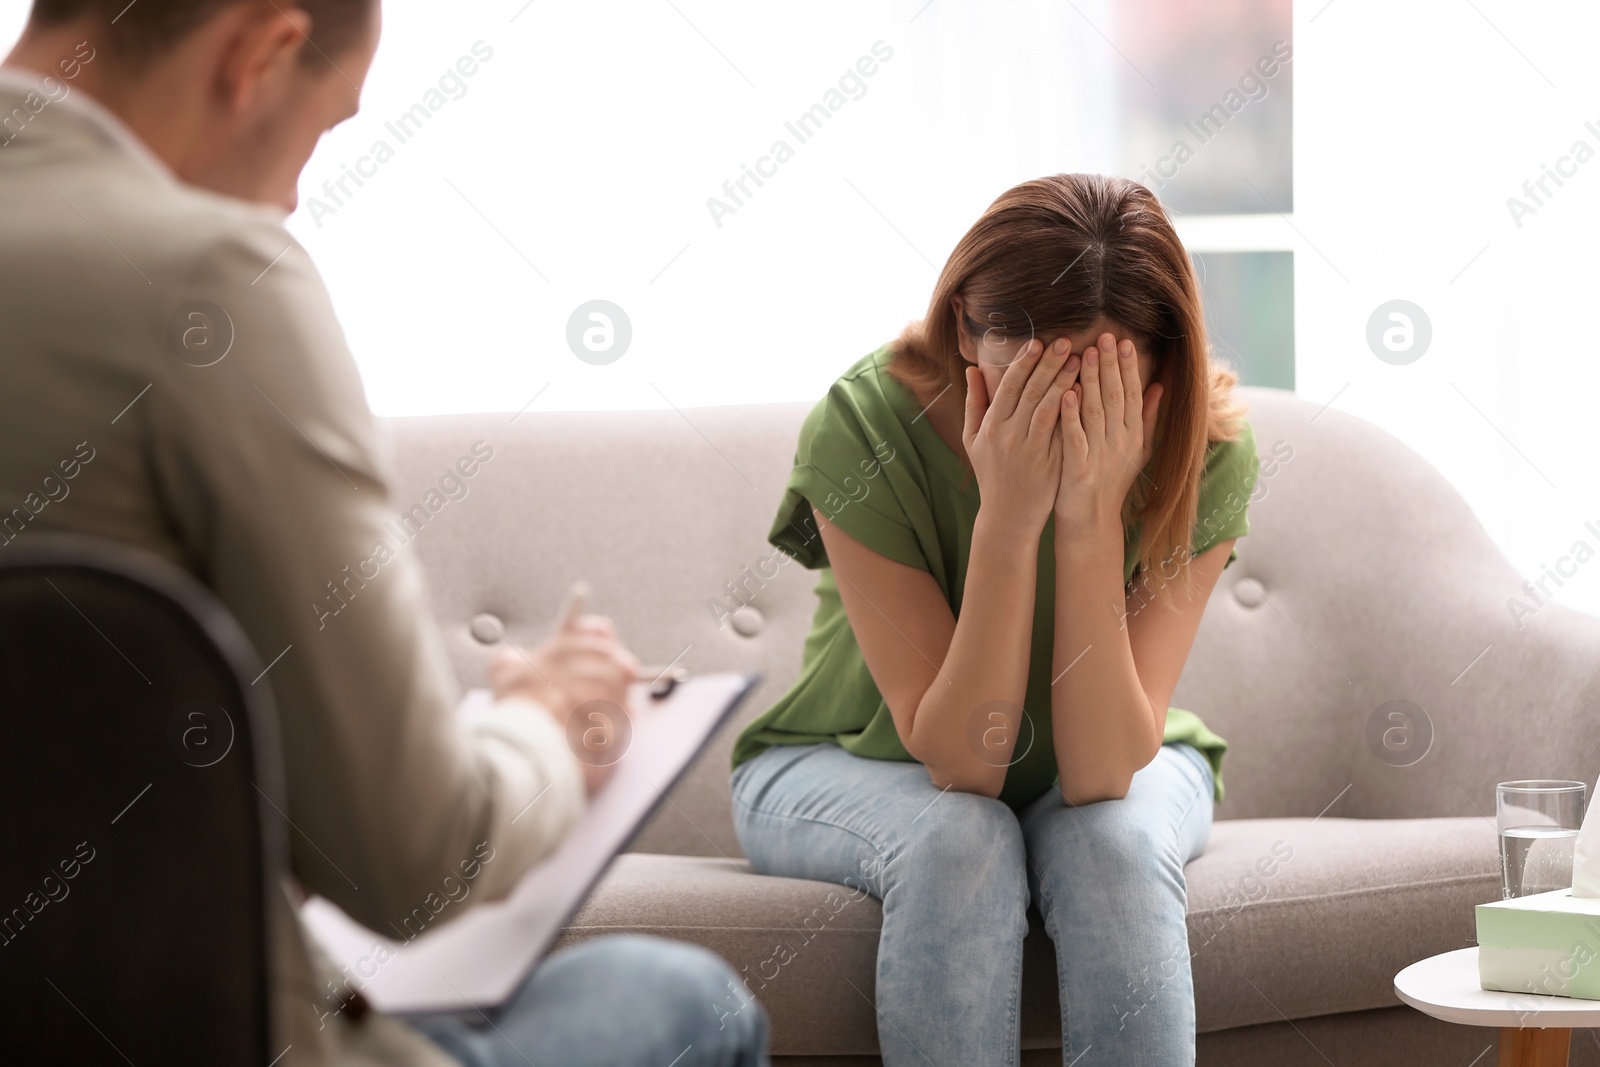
(112, 258)
(89, 196)
(189, 233)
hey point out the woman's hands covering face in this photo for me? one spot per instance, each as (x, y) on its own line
(1014, 438)
(1063, 433)
(1107, 425)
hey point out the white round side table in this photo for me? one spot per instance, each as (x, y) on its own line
(1535, 1030)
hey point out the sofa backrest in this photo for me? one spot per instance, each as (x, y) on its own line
(1365, 580)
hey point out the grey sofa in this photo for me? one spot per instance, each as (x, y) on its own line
(1335, 861)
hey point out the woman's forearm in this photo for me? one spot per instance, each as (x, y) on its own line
(1104, 726)
(967, 722)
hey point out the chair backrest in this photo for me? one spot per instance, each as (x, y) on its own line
(135, 751)
(1365, 579)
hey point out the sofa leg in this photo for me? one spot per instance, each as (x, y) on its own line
(1534, 1048)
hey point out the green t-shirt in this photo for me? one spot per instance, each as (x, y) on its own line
(869, 460)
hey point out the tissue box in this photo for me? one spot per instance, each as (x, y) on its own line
(1545, 943)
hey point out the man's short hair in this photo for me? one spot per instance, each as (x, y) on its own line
(137, 33)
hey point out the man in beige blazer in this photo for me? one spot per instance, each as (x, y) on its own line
(166, 337)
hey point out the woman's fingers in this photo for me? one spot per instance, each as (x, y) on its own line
(1004, 401)
(1132, 388)
(1045, 372)
(1092, 406)
(1047, 415)
(1111, 404)
(977, 403)
(1074, 442)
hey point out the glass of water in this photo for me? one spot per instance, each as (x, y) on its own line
(1538, 823)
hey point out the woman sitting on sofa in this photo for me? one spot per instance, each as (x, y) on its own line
(1019, 508)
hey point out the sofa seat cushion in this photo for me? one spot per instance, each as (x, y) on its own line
(1289, 918)
(798, 945)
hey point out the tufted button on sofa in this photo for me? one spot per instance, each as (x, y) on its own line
(1349, 845)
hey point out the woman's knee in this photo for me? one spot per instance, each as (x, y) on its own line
(1110, 843)
(964, 838)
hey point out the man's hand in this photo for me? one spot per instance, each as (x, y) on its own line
(581, 676)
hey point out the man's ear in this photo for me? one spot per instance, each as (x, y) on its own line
(262, 49)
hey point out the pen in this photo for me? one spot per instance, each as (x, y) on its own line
(666, 680)
(572, 607)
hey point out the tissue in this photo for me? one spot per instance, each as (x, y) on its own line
(1546, 943)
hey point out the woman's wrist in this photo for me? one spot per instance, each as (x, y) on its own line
(1086, 515)
(993, 527)
(1087, 528)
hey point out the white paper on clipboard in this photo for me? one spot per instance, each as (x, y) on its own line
(480, 957)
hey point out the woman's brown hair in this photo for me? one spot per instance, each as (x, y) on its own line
(1054, 255)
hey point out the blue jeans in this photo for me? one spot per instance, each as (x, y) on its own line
(616, 1001)
(956, 872)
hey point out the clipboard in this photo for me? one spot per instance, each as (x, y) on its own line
(480, 957)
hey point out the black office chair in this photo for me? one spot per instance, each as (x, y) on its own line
(136, 850)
